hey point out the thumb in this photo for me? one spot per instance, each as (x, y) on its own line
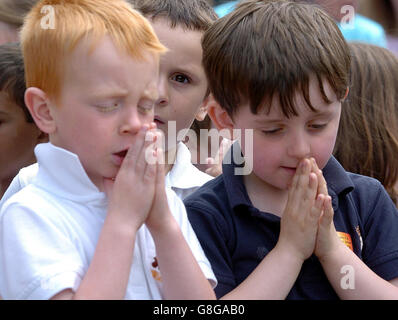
(328, 213)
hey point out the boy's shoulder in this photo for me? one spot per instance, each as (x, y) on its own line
(354, 193)
(213, 189)
(221, 195)
(30, 204)
(24, 177)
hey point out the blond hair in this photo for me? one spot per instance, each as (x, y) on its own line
(45, 50)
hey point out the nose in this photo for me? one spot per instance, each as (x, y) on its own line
(299, 145)
(163, 93)
(131, 121)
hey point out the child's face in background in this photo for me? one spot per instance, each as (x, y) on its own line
(17, 138)
(182, 80)
(106, 98)
(280, 143)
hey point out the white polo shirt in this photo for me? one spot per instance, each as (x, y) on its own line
(21, 180)
(49, 231)
(184, 178)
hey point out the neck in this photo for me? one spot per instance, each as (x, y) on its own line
(170, 158)
(264, 196)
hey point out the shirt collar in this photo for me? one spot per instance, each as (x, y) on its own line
(61, 173)
(184, 175)
(338, 181)
(234, 185)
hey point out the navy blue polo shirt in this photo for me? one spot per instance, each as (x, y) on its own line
(236, 236)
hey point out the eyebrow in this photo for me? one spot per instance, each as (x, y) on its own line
(316, 114)
(109, 93)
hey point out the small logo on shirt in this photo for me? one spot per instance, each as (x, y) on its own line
(155, 270)
(346, 238)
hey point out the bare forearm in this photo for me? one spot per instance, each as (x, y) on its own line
(109, 270)
(271, 280)
(181, 275)
(352, 279)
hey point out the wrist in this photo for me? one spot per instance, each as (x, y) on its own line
(289, 254)
(123, 222)
(333, 254)
(160, 228)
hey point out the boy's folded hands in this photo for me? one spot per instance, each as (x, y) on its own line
(307, 223)
(137, 193)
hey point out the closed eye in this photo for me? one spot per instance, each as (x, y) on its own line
(273, 131)
(108, 107)
(318, 126)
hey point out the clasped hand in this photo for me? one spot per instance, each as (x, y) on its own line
(307, 223)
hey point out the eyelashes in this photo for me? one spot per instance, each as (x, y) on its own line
(144, 107)
(108, 108)
(312, 127)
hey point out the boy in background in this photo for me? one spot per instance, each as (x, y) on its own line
(275, 233)
(82, 229)
(183, 88)
(18, 132)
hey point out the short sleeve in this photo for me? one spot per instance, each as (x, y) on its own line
(380, 250)
(212, 237)
(37, 258)
(178, 210)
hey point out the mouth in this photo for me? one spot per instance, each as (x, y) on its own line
(291, 170)
(158, 121)
(119, 157)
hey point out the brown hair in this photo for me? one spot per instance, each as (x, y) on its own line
(367, 141)
(195, 15)
(13, 12)
(12, 75)
(264, 48)
(382, 11)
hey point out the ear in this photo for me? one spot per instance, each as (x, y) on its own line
(202, 112)
(38, 104)
(218, 115)
(346, 94)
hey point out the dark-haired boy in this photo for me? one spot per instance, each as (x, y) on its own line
(272, 234)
